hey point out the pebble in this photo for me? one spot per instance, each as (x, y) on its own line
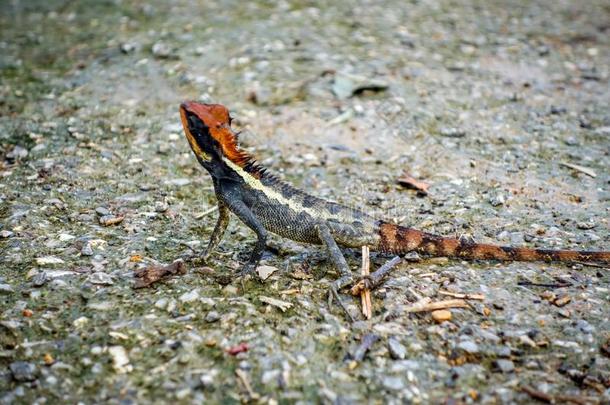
(212, 316)
(265, 271)
(504, 365)
(23, 371)
(397, 350)
(190, 296)
(393, 383)
(6, 233)
(562, 300)
(40, 279)
(161, 206)
(108, 220)
(585, 327)
(161, 50)
(6, 289)
(452, 132)
(178, 182)
(441, 315)
(48, 260)
(497, 200)
(161, 303)
(18, 152)
(120, 360)
(102, 211)
(87, 250)
(100, 278)
(468, 346)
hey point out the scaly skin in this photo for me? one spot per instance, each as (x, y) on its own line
(266, 204)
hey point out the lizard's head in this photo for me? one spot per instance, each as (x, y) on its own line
(208, 130)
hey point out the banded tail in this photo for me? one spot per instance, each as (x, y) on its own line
(397, 239)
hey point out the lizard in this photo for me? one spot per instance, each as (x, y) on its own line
(265, 203)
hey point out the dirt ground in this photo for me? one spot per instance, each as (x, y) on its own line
(502, 107)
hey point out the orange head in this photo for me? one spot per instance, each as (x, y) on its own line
(208, 130)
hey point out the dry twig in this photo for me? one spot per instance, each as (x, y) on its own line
(479, 297)
(425, 305)
(376, 278)
(365, 294)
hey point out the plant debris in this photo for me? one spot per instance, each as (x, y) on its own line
(149, 275)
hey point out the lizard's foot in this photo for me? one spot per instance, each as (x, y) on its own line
(247, 269)
(334, 293)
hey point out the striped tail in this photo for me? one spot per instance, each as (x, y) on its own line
(399, 240)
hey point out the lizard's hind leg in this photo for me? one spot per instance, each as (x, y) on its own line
(338, 260)
(345, 275)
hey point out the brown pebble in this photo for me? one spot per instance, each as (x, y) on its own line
(441, 315)
(562, 300)
(548, 295)
(108, 220)
(48, 359)
(27, 313)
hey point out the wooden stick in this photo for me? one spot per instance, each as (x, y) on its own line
(365, 294)
(479, 297)
(376, 278)
(425, 305)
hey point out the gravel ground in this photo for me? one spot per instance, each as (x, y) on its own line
(502, 107)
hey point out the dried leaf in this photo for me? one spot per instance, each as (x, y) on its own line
(406, 180)
(151, 274)
(283, 305)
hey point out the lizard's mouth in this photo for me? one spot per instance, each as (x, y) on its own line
(184, 111)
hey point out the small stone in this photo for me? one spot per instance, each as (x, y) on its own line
(161, 50)
(6, 289)
(48, 359)
(48, 260)
(397, 350)
(265, 271)
(102, 211)
(161, 303)
(452, 133)
(178, 182)
(23, 371)
(212, 316)
(393, 383)
(100, 278)
(190, 296)
(562, 300)
(128, 47)
(586, 225)
(230, 290)
(108, 220)
(6, 233)
(161, 206)
(80, 322)
(40, 279)
(120, 361)
(64, 237)
(468, 346)
(504, 365)
(497, 200)
(585, 327)
(87, 250)
(441, 315)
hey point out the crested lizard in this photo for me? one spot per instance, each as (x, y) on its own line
(265, 204)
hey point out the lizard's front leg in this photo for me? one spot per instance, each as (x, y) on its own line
(224, 216)
(241, 210)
